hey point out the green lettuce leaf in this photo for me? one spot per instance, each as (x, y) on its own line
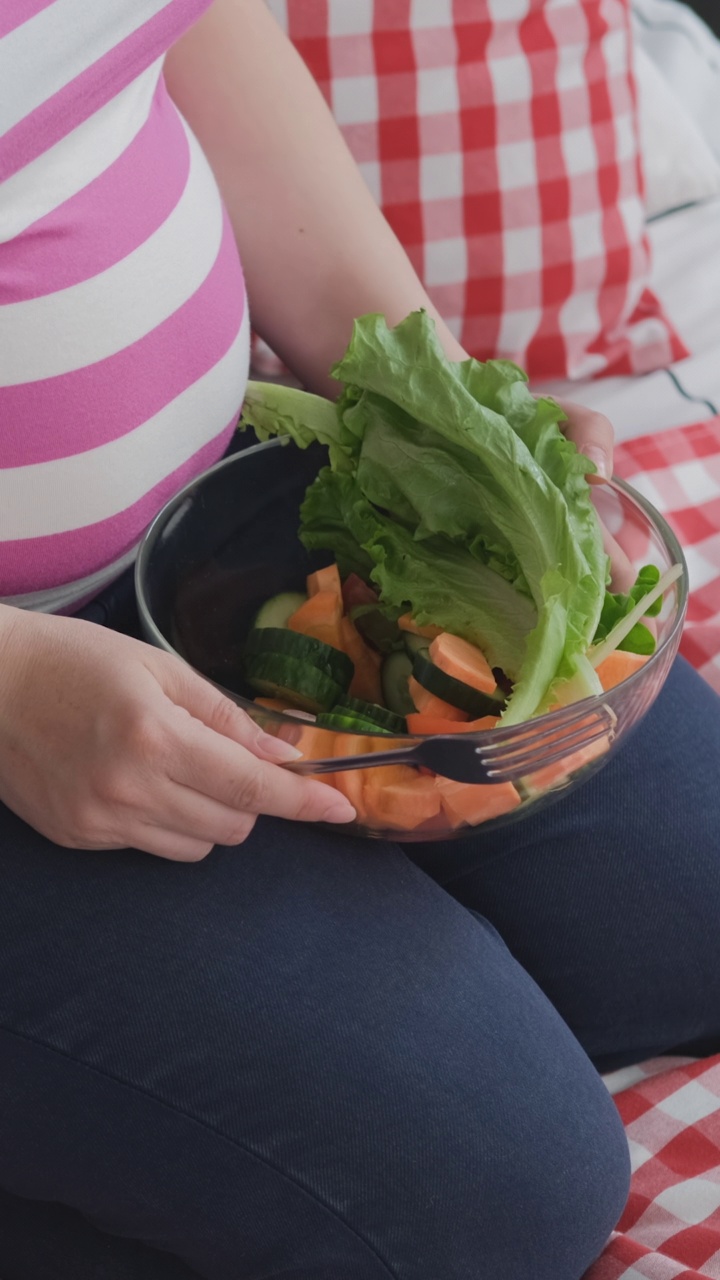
(525, 505)
(455, 491)
(440, 581)
(618, 606)
(273, 410)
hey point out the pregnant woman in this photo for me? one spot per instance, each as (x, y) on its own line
(301, 1056)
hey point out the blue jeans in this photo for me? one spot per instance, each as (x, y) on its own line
(315, 1058)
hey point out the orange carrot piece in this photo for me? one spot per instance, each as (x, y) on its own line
(273, 704)
(468, 804)
(618, 666)
(419, 723)
(555, 775)
(458, 658)
(429, 705)
(397, 797)
(320, 617)
(405, 623)
(351, 782)
(327, 579)
(315, 744)
(365, 683)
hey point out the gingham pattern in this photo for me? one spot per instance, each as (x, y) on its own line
(500, 138)
(679, 472)
(670, 1229)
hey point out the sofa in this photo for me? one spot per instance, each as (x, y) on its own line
(668, 430)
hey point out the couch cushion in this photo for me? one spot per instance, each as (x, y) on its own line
(501, 140)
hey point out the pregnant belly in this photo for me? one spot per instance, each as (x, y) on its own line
(124, 340)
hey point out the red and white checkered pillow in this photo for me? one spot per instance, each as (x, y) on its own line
(670, 1228)
(500, 138)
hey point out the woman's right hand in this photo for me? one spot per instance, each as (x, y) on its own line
(106, 742)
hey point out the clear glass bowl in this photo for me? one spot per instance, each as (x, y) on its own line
(228, 541)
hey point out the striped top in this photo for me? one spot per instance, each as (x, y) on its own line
(123, 318)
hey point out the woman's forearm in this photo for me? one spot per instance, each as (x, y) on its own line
(316, 249)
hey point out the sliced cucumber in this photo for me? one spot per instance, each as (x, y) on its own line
(276, 611)
(394, 676)
(375, 714)
(456, 692)
(278, 676)
(377, 628)
(347, 723)
(305, 649)
(415, 644)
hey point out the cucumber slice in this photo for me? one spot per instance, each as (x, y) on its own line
(277, 676)
(305, 649)
(276, 611)
(394, 676)
(347, 723)
(415, 644)
(375, 714)
(456, 692)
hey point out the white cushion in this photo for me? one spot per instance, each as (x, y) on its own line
(687, 53)
(679, 166)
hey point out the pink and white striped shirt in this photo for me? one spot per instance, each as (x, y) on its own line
(124, 331)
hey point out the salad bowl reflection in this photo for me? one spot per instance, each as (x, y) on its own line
(229, 541)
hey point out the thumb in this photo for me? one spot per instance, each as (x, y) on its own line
(204, 702)
(592, 434)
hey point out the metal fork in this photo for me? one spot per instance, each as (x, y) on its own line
(498, 755)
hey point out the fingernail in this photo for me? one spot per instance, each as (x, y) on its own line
(599, 457)
(342, 812)
(278, 749)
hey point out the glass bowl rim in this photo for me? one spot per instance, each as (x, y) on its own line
(657, 522)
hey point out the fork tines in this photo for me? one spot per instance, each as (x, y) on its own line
(542, 746)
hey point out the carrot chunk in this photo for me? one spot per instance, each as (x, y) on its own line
(399, 798)
(320, 617)
(554, 775)
(419, 723)
(458, 658)
(618, 666)
(405, 623)
(273, 704)
(327, 579)
(365, 683)
(468, 804)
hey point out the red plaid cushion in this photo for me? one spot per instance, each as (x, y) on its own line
(500, 138)
(670, 1229)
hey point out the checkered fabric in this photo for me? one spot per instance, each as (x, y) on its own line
(679, 472)
(500, 138)
(670, 1229)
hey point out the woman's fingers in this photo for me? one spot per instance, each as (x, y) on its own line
(224, 771)
(183, 811)
(220, 753)
(593, 435)
(622, 573)
(172, 845)
(204, 703)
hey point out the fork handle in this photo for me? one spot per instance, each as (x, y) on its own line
(341, 764)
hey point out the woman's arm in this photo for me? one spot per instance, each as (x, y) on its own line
(317, 251)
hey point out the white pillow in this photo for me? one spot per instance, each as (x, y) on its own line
(687, 53)
(680, 168)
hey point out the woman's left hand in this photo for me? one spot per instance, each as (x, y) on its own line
(593, 435)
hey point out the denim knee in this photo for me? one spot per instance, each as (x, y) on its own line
(533, 1195)
(572, 1177)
